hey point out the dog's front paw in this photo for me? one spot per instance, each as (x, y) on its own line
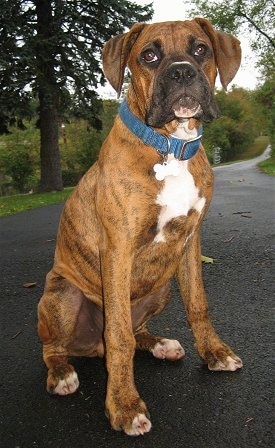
(230, 364)
(168, 349)
(128, 414)
(62, 383)
(140, 425)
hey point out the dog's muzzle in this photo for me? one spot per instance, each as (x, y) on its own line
(181, 91)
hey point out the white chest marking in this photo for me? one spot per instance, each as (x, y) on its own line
(178, 195)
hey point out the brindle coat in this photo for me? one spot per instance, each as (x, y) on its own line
(110, 276)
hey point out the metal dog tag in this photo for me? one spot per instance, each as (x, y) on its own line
(170, 168)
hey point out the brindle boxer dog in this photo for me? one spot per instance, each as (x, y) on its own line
(133, 222)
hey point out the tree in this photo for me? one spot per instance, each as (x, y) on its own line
(242, 119)
(265, 96)
(51, 49)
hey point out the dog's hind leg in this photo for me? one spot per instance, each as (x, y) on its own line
(142, 311)
(63, 313)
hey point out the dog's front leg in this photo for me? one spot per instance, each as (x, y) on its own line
(211, 349)
(124, 407)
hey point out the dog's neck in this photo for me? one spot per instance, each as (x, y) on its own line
(183, 131)
(181, 148)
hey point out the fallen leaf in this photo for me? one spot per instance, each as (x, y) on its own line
(229, 240)
(249, 419)
(29, 284)
(207, 259)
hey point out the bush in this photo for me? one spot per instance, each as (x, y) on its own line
(18, 165)
(236, 129)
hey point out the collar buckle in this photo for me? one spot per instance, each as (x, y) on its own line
(182, 151)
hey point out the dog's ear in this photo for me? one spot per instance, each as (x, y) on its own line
(227, 51)
(115, 55)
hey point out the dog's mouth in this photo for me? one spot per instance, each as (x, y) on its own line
(186, 107)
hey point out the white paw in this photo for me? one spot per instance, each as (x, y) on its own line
(168, 349)
(140, 426)
(230, 365)
(67, 385)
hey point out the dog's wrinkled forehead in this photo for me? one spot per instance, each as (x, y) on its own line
(170, 38)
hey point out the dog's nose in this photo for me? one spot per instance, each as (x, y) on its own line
(182, 72)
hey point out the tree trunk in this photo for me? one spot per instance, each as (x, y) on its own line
(48, 93)
(51, 174)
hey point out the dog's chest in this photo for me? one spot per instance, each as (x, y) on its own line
(177, 197)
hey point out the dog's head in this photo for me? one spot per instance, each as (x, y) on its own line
(173, 68)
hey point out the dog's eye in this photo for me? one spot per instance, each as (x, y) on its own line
(149, 56)
(200, 50)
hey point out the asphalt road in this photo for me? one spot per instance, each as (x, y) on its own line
(190, 406)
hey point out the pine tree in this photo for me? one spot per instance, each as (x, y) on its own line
(51, 50)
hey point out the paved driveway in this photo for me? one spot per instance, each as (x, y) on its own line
(190, 406)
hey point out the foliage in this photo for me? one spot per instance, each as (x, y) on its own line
(79, 143)
(71, 51)
(19, 167)
(255, 149)
(265, 98)
(51, 51)
(237, 127)
(19, 159)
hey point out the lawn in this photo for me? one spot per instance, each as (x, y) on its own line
(21, 202)
(268, 166)
(256, 149)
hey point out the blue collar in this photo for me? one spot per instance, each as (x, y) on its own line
(182, 149)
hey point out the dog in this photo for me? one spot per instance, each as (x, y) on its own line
(133, 222)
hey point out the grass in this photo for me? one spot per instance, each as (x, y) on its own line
(10, 205)
(268, 166)
(255, 150)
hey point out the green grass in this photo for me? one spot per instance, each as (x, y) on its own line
(268, 166)
(255, 150)
(10, 205)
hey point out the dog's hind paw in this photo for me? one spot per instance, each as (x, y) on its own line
(140, 426)
(230, 364)
(168, 349)
(67, 385)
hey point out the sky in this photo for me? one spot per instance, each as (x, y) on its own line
(166, 10)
